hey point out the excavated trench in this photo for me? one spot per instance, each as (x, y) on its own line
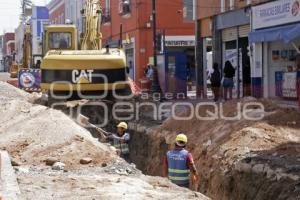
(148, 149)
(243, 179)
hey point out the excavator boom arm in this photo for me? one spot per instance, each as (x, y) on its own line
(91, 37)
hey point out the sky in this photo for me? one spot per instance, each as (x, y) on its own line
(10, 12)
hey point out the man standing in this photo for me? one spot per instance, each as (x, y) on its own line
(179, 163)
(120, 141)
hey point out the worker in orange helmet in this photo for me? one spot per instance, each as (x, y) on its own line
(179, 164)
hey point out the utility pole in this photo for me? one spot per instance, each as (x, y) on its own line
(155, 84)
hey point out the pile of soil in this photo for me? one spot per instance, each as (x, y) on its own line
(33, 133)
(237, 159)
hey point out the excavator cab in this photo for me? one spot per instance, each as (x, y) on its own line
(68, 70)
(60, 37)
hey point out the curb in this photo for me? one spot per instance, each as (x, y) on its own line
(9, 186)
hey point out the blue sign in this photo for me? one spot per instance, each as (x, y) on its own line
(30, 79)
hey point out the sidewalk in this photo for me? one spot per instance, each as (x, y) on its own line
(9, 185)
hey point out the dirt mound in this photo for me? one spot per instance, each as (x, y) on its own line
(8, 92)
(237, 158)
(32, 133)
(93, 183)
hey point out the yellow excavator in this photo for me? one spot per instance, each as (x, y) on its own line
(27, 71)
(26, 60)
(87, 69)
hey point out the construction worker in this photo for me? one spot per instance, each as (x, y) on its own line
(179, 163)
(121, 140)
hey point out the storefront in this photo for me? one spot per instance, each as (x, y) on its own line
(176, 65)
(275, 42)
(180, 52)
(233, 30)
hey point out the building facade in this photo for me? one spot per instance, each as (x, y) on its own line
(56, 11)
(19, 37)
(1, 54)
(73, 12)
(275, 49)
(227, 24)
(8, 49)
(35, 25)
(132, 19)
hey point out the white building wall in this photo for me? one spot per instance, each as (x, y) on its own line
(72, 12)
(19, 36)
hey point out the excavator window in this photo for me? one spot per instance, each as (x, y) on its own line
(60, 40)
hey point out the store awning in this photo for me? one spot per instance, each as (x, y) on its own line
(292, 34)
(284, 33)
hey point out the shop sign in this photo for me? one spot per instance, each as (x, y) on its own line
(289, 85)
(276, 13)
(182, 43)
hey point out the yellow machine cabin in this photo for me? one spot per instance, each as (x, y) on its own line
(90, 68)
(59, 37)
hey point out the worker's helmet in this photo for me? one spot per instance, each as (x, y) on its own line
(181, 140)
(68, 21)
(123, 125)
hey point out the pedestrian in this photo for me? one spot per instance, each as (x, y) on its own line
(247, 78)
(215, 79)
(121, 140)
(178, 164)
(229, 73)
(189, 77)
(149, 73)
(38, 64)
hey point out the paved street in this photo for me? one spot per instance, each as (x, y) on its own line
(4, 76)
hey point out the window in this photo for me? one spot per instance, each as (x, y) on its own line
(60, 40)
(106, 17)
(124, 7)
(107, 4)
(188, 10)
(231, 6)
(222, 5)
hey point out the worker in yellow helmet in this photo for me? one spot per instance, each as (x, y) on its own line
(179, 163)
(121, 140)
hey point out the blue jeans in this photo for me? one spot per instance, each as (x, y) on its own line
(228, 83)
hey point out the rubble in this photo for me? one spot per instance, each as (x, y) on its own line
(15, 163)
(51, 161)
(35, 135)
(58, 166)
(86, 161)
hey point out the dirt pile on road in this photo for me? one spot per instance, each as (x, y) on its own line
(35, 135)
(237, 159)
(95, 183)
